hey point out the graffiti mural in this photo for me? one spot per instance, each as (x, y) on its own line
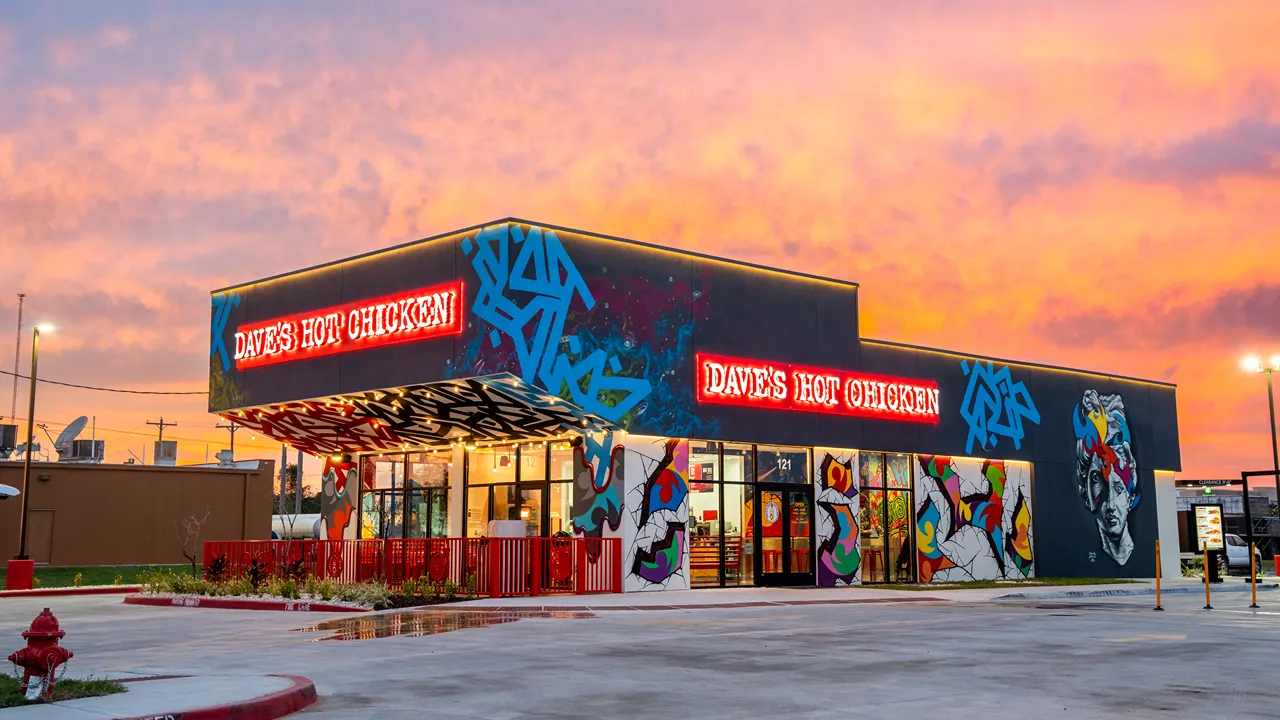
(839, 559)
(597, 485)
(1106, 470)
(224, 391)
(337, 498)
(995, 406)
(656, 535)
(973, 519)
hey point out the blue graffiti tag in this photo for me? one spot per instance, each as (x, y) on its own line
(544, 270)
(222, 307)
(995, 406)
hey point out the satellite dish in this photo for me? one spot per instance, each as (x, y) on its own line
(8, 491)
(68, 434)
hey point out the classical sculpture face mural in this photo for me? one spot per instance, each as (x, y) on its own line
(1106, 471)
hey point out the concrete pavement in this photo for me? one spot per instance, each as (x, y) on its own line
(965, 656)
(153, 697)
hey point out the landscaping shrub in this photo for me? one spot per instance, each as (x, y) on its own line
(216, 570)
(257, 572)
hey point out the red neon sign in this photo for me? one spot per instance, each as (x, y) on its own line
(781, 386)
(403, 317)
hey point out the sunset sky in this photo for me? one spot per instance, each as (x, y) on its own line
(1073, 183)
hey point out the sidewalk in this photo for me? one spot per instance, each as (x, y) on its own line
(754, 596)
(257, 697)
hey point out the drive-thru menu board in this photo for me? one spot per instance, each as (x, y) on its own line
(1209, 527)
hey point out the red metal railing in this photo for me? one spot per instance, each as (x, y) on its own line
(494, 567)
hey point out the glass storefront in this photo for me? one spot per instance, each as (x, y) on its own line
(888, 548)
(529, 484)
(405, 495)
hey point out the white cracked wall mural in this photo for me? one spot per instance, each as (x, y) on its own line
(839, 555)
(656, 514)
(973, 519)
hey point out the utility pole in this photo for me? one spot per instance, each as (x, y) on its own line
(162, 425)
(13, 406)
(233, 427)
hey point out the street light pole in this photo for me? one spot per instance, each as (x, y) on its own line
(1275, 455)
(26, 463)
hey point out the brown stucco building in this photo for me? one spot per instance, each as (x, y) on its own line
(129, 514)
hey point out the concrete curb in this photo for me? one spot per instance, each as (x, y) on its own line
(91, 590)
(300, 694)
(1126, 592)
(239, 604)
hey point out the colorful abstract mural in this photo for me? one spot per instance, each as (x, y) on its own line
(839, 559)
(655, 536)
(337, 497)
(973, 519)
(1106, 470)
(995, 406)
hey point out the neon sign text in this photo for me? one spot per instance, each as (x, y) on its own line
(780, 386)
(404, 317)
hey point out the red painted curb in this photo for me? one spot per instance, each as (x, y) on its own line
(95, 590)
(238, 604)
(300, 694)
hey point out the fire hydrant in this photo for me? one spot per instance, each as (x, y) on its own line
(42, 655)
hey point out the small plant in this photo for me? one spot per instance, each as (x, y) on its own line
(216, 570)
(257, 572)
(296, 569)
(409, 589)
(472, 580)
(35, 582)
(450, 589)
(118, 581)
(78, 580)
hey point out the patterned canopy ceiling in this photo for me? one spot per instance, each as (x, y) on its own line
(494, 408)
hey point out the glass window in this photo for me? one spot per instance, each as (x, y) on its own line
(561, 509)
(561, 461)
(871, 469)
(385, 471)
(478, 512)
(506, 503)
(738, 548)
(533, 463)
(428, 469)
(737, 463)
(871, 514)
(531, 511)
(489, 465)
(704, 531)
(782, 465)
(900, 557)
(898, 470)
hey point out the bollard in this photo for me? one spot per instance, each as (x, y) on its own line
(1157, 607)
(1207, 604)
(1253, 576)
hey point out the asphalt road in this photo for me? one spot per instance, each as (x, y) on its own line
(1105, 658)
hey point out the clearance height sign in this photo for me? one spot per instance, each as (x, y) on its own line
(780, 386)
(404, 317)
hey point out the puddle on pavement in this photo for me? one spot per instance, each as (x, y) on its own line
(414, 624)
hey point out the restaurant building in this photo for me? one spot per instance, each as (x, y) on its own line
(725, 420)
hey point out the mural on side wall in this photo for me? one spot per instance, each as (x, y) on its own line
(973, 519)
(839, 559)
(597, 486)
(657, 551)
(995, 406)
(337, 493)
(1106, 470)
(224, 390)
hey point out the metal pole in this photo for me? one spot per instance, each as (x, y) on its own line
(26, 464)
(1205, 543)
(1275, 455)
(1253, 573)
(17, 351)
(284, 467)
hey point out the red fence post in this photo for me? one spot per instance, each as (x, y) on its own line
(580, 572)
(495, 567)
(535, 566)
(617, 565)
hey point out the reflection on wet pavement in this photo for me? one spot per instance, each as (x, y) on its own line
(411, 624)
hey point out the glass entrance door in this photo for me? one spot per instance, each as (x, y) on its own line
(784, 534)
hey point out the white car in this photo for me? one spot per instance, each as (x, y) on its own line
(1238, 554)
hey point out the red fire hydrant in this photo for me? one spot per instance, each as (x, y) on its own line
(42, 655)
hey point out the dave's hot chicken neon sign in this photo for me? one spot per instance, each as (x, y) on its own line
(780, 386)
(403, 317)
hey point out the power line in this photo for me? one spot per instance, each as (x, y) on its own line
(101, 429)
(102, 389)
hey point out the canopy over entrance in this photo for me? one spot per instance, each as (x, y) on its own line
(494, 408)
